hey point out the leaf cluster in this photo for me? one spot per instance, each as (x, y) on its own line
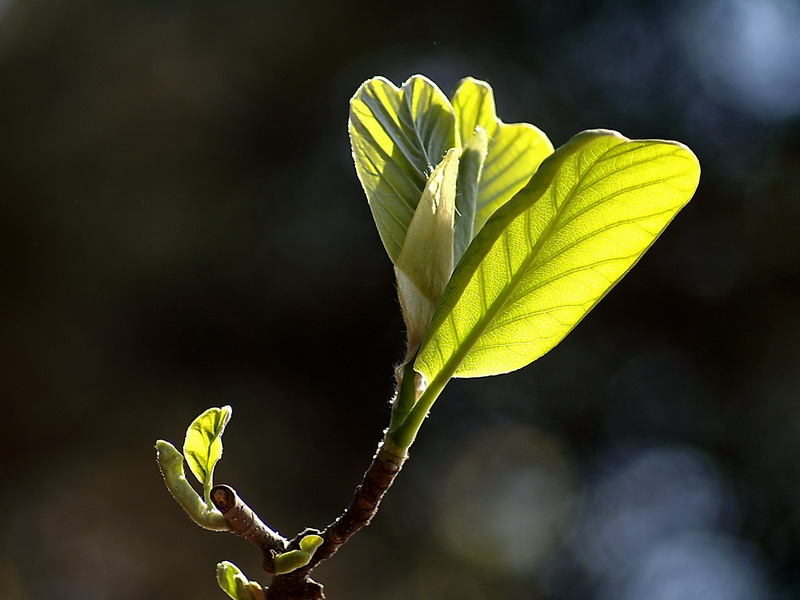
(202, 450)
(501, 245)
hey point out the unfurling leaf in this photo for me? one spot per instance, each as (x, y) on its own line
(552, 252)
(514, 151)
(425, 263)
(398, 136)
(234, 583)
(470, 169)
(203, 445)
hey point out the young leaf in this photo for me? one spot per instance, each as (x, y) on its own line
(234, 583)
(203, 445)
(294, 559)
(425, 263)
(553, 251)
(310, 543)
(515, 151)
(398, 136)
(470, 170)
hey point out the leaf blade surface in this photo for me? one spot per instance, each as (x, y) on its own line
(398, 135)
(203, 444)
(553, 251)
(514, 152)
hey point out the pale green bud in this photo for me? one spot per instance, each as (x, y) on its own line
(234, 583)
(425, 262)
(294, 559)
(171, 463)
(469, 176)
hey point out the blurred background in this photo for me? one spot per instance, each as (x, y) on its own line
(182, 227)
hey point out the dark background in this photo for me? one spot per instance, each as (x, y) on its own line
(182, 228)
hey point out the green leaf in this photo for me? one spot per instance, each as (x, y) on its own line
(425, 263)
(294, 559)
(514, 154)
(310, 543)
(398, 136)
(553, 251)
(469, 177)
(234, 583)
(203, 445)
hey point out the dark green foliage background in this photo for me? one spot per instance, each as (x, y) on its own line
(181, 227)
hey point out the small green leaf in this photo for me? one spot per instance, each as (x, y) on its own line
(515, 151)
(294, 559)
(552, 252)
(290, 561)
(234, 583)
(203, 445)
(398, 136)
(310, 543)
(425, 263)
(170, 462)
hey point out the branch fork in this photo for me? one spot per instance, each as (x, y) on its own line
(296, 584)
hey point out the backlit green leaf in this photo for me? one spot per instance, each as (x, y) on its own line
(473, 155)
(515, 151)
(553, 251)
(203, 445)
(398, 136)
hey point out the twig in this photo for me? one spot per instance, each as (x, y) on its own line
(245, 522)
(297, 585)
(380, 475)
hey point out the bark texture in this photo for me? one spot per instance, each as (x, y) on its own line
(245, 522)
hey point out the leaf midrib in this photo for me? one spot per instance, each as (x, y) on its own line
(417, 124)
(484, 324)
(499, 303)
(395, 130)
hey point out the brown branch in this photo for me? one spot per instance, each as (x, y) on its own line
(380, 475)
(245, 522)
(297, 585)
(294, 586)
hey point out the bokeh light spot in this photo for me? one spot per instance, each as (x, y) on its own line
(507, 500)
(749, 51)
